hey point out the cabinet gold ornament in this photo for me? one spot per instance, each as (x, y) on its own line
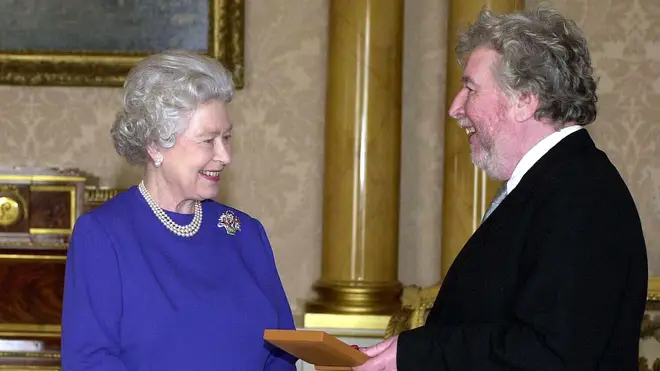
(10, 212)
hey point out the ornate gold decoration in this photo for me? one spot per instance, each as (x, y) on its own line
(12, 193)
(650, 329)
(95, 196)
(226, 23)
(416, 303)
(653, 292)
(644, 364)
(10, 212)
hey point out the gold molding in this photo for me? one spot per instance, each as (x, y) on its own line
(41, 178)
(32, 257)
(58, 231)
(40, 245)
(30, 330)
(346, 321)
(51, 355)
(226, 29)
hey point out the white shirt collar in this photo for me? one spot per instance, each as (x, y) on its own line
(534, 154)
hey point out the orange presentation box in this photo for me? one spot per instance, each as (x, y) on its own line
(318, 348)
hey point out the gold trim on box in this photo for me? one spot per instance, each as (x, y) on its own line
(51, 355)
(53, 188)
(42, 178)
(346, 321)
(31, 327)
(48, 245)
(29, 368)
(30, 330)
(73, 204)
(63, 231)
(34, 331)
(33, 257)
(85, 68)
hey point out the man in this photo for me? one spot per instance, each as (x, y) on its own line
(555, 278)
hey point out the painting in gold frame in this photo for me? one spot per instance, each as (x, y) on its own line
(86, 67)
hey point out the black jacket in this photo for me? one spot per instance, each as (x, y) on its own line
(554, 279)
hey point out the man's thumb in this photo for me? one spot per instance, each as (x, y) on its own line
(375, 350)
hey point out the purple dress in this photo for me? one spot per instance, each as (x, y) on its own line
(139, 297)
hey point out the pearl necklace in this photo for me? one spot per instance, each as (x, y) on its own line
(183, 231)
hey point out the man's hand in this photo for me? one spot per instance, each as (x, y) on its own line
(383, 356)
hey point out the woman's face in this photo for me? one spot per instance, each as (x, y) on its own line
(191, 168)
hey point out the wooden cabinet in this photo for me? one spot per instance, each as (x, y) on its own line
(38, 208)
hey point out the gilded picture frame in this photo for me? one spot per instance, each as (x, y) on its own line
(93, 68)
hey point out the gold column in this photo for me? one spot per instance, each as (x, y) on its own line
(467, 191)
(362, 160)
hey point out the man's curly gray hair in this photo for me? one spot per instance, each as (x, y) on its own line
(542, 53)
(160, 94)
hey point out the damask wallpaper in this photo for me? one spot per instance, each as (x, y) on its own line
(625, 46)
(276, 174)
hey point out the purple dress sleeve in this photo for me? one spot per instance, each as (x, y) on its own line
(92, 306)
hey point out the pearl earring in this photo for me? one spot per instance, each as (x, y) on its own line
(159, 160)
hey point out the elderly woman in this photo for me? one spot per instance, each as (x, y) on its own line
(162, 277)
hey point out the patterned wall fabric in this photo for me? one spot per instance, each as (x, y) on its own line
(625, 46)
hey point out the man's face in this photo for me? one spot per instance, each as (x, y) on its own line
(484, 111)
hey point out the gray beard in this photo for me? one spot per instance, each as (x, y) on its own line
(489, 162)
